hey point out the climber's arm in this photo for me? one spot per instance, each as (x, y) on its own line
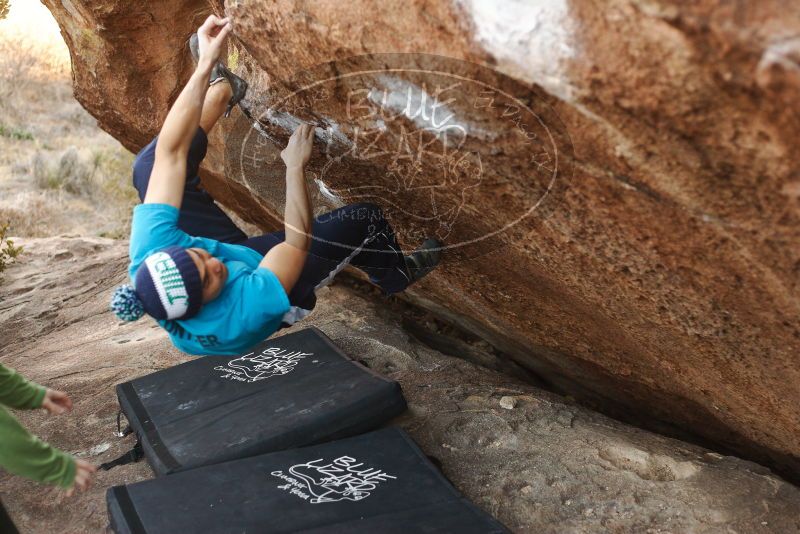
(172, 148)
(287, 259)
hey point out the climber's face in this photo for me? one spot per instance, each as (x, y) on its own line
(213, 273)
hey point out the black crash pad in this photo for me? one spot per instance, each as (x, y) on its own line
(376, 482)
(290, 391)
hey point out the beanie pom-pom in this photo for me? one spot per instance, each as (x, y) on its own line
(126, 304)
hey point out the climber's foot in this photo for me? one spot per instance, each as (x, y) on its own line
(238, 86)
(424, 259)
(221, 73)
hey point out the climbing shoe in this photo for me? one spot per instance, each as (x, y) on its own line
(221, 73)
(424, 259)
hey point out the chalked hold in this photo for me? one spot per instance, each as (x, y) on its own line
(376, 482)
(290, 391)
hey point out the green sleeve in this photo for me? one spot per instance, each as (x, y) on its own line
(24, 454)
(17, 392)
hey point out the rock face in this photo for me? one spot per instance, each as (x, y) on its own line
(536, 461)
(621, 205)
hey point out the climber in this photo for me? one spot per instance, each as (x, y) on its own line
(193, 270)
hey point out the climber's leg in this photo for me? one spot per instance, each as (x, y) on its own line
(359, 234)
(356, 234)
(199, 215)
(214, 105)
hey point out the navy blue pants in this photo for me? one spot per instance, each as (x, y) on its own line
(357, 234)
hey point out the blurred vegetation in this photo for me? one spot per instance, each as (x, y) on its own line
(103, 174)
(60, 174)
(15, 133)
(8, 252)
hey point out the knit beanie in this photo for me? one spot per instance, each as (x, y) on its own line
(167, 286)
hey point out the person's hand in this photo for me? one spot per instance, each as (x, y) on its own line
(83, 476)
(298, 150)
(211, 39)
(56, 402)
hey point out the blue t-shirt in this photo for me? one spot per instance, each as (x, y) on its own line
(248, 309)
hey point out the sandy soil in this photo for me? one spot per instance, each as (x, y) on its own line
(537, 461)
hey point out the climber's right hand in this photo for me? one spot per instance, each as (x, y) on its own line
(211, 39)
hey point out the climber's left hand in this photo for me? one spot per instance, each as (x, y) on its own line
(211, 39)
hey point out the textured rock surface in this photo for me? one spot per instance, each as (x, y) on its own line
(660, 275)
(545, 465)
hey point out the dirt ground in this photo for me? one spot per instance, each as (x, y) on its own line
(536, 461)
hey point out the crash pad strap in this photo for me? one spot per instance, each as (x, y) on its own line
(120, 432)
(125, 504)
(130, 457)
(148, 428)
